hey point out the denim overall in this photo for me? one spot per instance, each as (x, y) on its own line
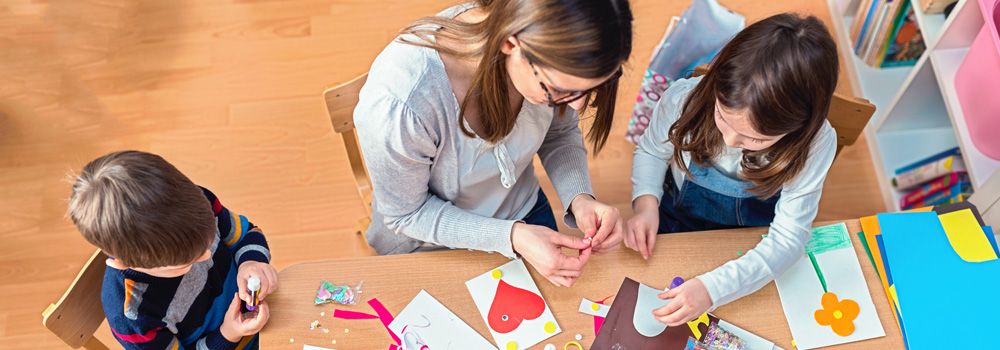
(710, 200)
(541, 214)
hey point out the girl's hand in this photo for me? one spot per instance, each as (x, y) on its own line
(542, 248)
(640, 234)
(600, 222)
(690, 301)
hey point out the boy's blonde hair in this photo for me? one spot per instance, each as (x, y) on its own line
(140, 209)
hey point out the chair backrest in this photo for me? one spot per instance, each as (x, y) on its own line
(78, 313)
(340, 102)
(848, 115)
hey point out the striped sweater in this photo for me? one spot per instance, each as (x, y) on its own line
(185, 312)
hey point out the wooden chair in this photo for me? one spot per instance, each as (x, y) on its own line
(340, 102)
(848, 115)
(78, 313)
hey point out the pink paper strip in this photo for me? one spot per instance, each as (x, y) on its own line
(352, 315)
(385, 316)
(598, 321)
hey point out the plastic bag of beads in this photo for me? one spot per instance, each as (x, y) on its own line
(340, 294)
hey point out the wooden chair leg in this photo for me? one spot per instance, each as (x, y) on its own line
(363, 225)
(94, 344)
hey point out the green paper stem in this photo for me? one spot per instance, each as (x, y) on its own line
(822, 280)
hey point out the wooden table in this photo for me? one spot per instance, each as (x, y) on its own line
(396, 279)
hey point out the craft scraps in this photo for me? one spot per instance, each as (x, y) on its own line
(340, 294)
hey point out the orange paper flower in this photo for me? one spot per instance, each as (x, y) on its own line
(838, 314)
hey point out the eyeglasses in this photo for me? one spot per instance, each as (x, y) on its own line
(570, 96)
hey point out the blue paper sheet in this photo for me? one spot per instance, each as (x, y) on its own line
(943, 299)
(993, 239)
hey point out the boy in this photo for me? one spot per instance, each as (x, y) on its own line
(179, 261)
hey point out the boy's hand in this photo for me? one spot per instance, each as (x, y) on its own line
(690, 300)
(267, 275)
(236, 325)
(640, 232)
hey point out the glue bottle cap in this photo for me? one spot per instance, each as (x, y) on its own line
(253, 283)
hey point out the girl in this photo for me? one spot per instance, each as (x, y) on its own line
(748, 144)
(454, 111)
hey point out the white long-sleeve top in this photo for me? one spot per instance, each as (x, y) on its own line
(794, 214)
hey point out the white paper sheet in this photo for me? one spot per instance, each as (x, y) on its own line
(801, 293)
(310, 347)
(426, 321)
(594, 309)
(642, 317)
(520, 316)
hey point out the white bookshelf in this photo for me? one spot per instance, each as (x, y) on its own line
(918, 113)
(930, 24)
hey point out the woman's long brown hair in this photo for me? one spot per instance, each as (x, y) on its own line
(783, 70)
(584, 38)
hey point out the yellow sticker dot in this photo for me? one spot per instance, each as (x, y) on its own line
(594, 307)
(497, 274)
(793, 344)
(511, 345)
(550, 327)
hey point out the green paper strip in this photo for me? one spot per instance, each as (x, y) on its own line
(864, 243)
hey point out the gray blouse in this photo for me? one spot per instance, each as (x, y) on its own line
(436, 187)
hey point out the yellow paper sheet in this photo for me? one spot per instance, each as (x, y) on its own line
(966, 236)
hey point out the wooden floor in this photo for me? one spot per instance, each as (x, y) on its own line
(229, 91)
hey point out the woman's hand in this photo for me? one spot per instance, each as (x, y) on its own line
(690, 300)
(600, 222)
(542, 248)
(640, 234)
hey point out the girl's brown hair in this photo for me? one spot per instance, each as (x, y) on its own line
(584, 38)
(783, 71)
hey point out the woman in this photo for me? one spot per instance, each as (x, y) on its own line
(455, 110)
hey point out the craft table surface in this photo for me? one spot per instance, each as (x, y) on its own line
(396, 279)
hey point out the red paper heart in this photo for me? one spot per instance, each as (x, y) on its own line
(511, 306)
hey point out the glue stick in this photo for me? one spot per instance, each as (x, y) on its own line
(253, 284)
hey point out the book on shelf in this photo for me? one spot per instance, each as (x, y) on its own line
(911, 178)
(864, 22)
(955, 194)
(895, 21)
(927, 160)
(915, 198)
(874, 28)
(885, 33)
(907, 44)
(863, 8)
